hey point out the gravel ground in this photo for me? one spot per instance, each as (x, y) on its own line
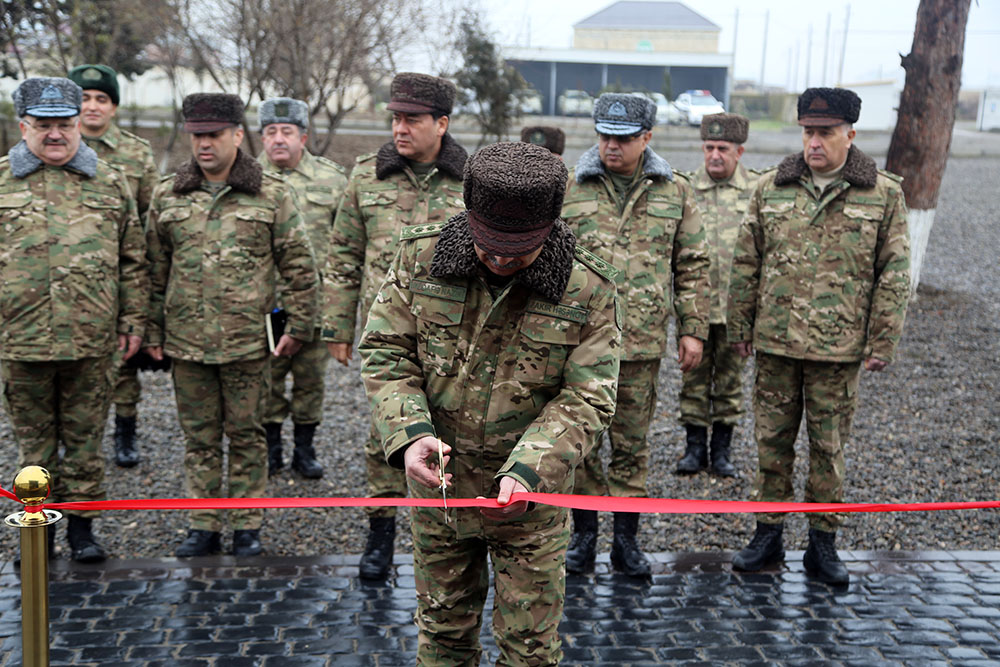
(923, 431)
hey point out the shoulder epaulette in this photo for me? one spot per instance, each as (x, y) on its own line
(136, 137)
(273, 175)
(767, 170)
(330, 163)
(166, 177)
(420, 231)
(890, 175)
(366, 157)
(596, 263)
(685, 176)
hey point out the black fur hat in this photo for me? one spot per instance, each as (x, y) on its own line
(545, 135)
(211, 112)
(828, 106)
(725, 127)
(514, 194)
(412, 92)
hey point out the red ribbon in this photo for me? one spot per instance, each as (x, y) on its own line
(602, 503)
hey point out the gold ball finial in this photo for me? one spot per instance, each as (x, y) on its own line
(32, 485)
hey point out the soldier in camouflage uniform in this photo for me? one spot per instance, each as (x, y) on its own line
(820, 282)
(218, 230)
(414, 179)
(712, 393)
(134, 157)
(318, 182)
(497, 336)
(73, 265)
(628, 207)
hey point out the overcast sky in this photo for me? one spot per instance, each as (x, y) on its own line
(879, 31)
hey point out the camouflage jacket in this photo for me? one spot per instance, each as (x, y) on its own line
(722, 207)
(520, 379)
(823, 278)
(214, 259)
(72, 258)
(657, 241)
(383, 195)
(133, 156)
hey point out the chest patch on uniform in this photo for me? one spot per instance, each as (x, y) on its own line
(571, 313)
(449, 292)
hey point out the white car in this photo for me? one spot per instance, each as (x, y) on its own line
(575, 103)
(530, 101)
(693, 104)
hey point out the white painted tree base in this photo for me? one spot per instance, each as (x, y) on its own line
(919, 223)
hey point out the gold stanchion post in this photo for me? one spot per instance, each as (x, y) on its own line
(32, 486)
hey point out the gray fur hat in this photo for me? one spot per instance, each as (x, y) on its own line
(514, 194)
(283, 110)
(412, 92)
(545, 135)
(725, 127)
(47, 97)
(623, 113)
(211, 112)
(823, 107)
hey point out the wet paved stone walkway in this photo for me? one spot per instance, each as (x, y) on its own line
(921, 608)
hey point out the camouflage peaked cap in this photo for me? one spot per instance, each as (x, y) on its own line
(514, 194)
(97, 77)
(283, 110)
(412, 92)
(623, 114)
(211, 112)
(47, 97)
(725, 127)
(828, 106)
(545, 135)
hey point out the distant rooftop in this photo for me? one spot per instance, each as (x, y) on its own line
(635, 14)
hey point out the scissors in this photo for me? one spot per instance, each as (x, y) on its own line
(444, 486)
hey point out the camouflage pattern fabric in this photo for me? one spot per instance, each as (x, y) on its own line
(61, 403)
(628, 464)
(73, 264)
(214, 263)
(213, 399)
(519, 386)
(318, 183)
(364, 241)
(127, 390)
(713, 390)
(828, 393)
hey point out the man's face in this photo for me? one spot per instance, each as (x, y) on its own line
(284, 143)
(507, 266)
(96, 112)
(54, 141)
(417, 136)
(721, 158)
(215, 152)
(621, 154)
(825, 148)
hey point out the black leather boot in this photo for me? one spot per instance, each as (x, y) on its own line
(377, 558)
(626, 556)
(765, 547)
(126, 455)
(722, 438)
(83, 544)
(821, 559)
(273, 433)
(304, 459)
(199, 543)
(582, 550)
(695, 457)
(246, 543)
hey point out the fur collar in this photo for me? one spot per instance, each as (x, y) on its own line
(590, 165)
(23, 162)
(245, 176)
(451, 159)
(455, 257)
(859, 169)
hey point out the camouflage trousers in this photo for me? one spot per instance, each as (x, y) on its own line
(384, 481)
(828, 393)
(128, 391)
(713, 390)
(628, 466)
(452, 581)
(217, 398)
(53, 403)
(308, 369)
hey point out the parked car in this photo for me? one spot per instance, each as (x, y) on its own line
(666, 111)
(693, 104)
(531, 101)
(575, 103)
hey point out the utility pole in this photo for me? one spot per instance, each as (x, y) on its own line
(795, 80)
(826, 49)
(732, 60)
(843, 47)
(763, 53)
(809, 55)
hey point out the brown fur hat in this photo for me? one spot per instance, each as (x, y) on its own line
(725, 127)
(545, 135)
(820, 107)
(412, 92)
(514, 194)
(211, 112)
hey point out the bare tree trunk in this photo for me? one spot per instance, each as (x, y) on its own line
(922, 138)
